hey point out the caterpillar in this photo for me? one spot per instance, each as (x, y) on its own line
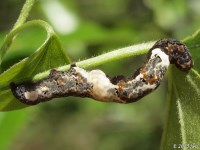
(95, 83)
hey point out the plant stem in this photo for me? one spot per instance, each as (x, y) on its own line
(104, 58)
(24, 13)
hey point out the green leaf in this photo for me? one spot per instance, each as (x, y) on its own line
(193, 42)
(20, 21)
(182, 125)
(49, 55)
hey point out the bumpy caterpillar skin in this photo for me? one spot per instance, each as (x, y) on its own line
(95, 84)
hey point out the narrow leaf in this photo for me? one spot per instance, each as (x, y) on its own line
(182, 126)
(49, 55)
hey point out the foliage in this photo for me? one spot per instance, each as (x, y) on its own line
(181, 126)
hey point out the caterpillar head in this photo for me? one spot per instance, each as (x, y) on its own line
(178, 53)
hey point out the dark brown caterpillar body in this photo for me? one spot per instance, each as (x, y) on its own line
(95, 84)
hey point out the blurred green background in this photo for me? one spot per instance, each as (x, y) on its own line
(87, 28)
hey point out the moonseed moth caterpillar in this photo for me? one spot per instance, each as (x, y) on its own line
(95, 84)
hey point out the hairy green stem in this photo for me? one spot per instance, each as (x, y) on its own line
(24, 13)
(104, 58)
